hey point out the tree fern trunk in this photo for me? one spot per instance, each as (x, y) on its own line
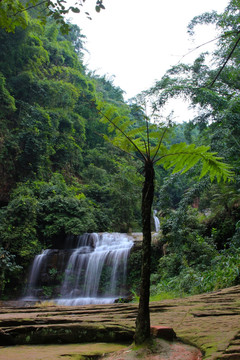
(142, 332)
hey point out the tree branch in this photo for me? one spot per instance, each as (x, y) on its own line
(159, 144)
(148, 143)
(225, 62)
(123, 133)
(116, 147)
(208, 42)
(30, 7)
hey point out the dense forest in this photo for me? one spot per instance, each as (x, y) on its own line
(59, 175)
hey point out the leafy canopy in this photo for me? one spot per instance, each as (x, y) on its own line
(147, 143)
(15, 13)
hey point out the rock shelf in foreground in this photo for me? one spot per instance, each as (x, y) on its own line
(210, 322)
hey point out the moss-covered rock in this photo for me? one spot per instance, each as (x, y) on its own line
(210, 322)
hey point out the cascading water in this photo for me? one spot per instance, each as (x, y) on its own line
(37, 266)
(156, 221)
(94, 272)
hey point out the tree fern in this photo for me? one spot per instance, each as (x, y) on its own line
(183, 157)
(148, 143)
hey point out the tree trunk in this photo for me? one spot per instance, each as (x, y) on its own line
(142, 332)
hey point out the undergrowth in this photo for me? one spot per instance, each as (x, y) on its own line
(222, 272)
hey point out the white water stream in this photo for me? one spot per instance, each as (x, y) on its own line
(156, 221)
(95, 272)
(37, 267)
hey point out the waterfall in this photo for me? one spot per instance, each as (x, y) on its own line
(156, 221)
(94, 271)
(37, 267)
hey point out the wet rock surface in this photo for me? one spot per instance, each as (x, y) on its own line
(210, 322)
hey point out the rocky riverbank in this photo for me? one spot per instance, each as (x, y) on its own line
(210, 322)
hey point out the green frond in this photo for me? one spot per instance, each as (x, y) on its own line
(183, 157)
(125, 125)
(106, 138)
(108, 114)
(155, 134)
(137, 131)
(160, 150)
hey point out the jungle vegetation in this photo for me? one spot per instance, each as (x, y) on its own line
(60, 176)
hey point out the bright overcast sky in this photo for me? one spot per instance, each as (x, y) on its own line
(136, 41)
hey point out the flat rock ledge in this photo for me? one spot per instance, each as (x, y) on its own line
(65, 333)
(209, 322)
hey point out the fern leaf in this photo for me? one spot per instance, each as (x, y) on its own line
(183, 157)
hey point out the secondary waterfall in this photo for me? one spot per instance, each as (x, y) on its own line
(37, 267)
(94, 272)
(156, 221)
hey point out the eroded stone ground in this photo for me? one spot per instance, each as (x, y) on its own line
(162, 350)
(210, 322)
(57, 352)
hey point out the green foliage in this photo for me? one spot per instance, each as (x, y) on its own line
(108, 91)
(201, 246)
(58, 176)
(41, 211)
(223, 271)
(11, 15)
(18, 227)
(48, 291)
(146, 141)
(67, 214)
(183, 157)
(43, 129)
(14, 13)
(7, 266)
(110, 183)
(221, 205)
(124, 189)
(216, 104)
(134, 270)
(192, 263)
(164, 295)
(7, 103)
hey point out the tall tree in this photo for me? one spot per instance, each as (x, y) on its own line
(211, 87)
(146, 143)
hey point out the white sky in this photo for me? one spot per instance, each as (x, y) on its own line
(136, 41)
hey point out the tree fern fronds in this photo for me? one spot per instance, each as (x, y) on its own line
(183, 157)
